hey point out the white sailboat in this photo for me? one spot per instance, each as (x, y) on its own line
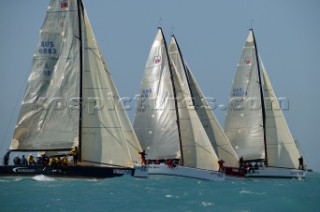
(255, 124)
(71, 101)
(167, 125)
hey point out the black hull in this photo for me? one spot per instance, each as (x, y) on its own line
(69, 172)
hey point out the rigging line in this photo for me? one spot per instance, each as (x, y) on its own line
(23, 85)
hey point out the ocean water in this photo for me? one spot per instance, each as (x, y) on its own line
(41, 193)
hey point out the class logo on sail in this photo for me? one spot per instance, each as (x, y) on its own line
(63, 4)
(247, 61)
(157, 59)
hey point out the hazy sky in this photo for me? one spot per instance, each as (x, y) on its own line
(210, 33)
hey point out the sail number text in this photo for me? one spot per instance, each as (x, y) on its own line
(47, 47)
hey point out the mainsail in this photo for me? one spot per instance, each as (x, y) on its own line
(281, 147)
(49, 114)
(244, 119)
(155, 121)
(70, 98)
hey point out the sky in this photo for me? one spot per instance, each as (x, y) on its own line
(210, 33)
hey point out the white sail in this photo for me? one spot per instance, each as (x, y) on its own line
(196, 147)
(49, 114)
(244, 121)
(282, 150)
(107, 136)
(155, 121)
(217, 137)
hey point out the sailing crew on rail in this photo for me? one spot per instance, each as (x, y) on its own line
(24, 160)
(16, 160)
(74, 153)
(31, 160)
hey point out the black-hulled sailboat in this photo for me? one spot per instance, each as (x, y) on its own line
(71, 101)
(255, 125)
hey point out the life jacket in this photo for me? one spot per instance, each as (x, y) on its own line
(74, 152)
(30, 158)
(65, 160)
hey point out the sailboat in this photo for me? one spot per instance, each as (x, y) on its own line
(167, 126)
(71, 101)
(255, 124)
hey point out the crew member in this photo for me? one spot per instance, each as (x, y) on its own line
(143, 157)
(74, 153)
(31, 160)
(16, 160)
(301, 163)
(6, 159)
(220, 162)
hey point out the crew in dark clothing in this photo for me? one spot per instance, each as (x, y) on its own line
(241, 162)
(16, 160)
(220, 162)
(24, 160)
(143, 157)
(301, 163)
(6, 159)
(44, 161)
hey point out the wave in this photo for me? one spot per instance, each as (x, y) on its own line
(251, 192)
(42, 178)
(11, 180)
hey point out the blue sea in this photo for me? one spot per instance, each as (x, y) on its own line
(41, 193)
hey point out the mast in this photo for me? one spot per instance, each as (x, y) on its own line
(262, 99)
(80, 17)
(185, 71)
(174, 94)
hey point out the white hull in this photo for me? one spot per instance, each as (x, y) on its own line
(182, 171)
(141, 171)
(276, 173)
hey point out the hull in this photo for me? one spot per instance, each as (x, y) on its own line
(182, 171)
(266, 172)
(269, 172)
(234, 172)
(74, 171)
